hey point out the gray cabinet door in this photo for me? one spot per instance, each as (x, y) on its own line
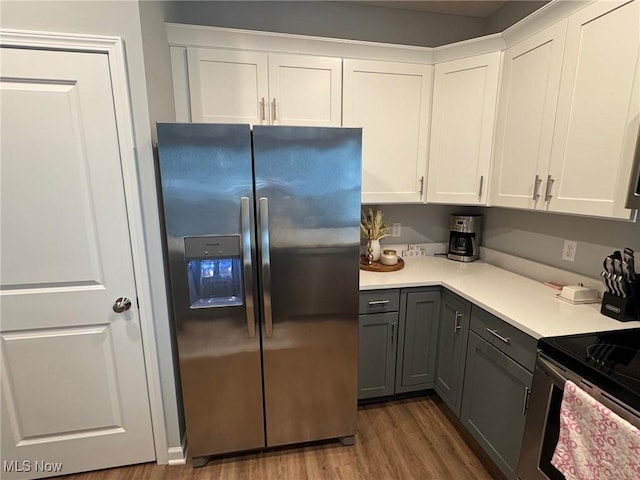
(419, 314)
(493, 405)
(453, 332)
(377, 354)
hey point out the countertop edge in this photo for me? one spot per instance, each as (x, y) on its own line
(461, 278)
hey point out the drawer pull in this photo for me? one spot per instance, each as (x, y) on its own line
(456, 325)
(497, 335)
(378, 302)
(525, 401)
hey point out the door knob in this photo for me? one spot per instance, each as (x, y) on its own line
(121, 304)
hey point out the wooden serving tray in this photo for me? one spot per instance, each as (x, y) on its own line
(379, 267)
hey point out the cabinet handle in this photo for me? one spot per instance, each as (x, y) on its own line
(273, 110)
(525, 400)
(497, 335)
(378, 302)
(456, 325)
(536, 187)
(263, 115)
(480, 188)
(393, 332)
(547, 193)
(421, 185)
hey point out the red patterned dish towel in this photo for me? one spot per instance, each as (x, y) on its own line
(594, 443)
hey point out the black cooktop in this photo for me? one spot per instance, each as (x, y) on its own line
(610, 360)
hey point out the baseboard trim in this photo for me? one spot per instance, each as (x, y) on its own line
(178, 455)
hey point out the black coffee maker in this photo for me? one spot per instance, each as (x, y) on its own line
(464, 239)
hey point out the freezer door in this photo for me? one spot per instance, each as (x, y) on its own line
(207, 196)
(308, 200)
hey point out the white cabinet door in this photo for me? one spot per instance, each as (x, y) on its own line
(305, 90)
(598, 111)
(526, 117)
(72, 378)
(464, 103)
(227, 86)
(391, 102)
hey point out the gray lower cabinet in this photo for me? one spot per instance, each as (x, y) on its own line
(377, 354)
(418, 339)
(398, 341)
(377, 342)
(455, 317)
(496, 390)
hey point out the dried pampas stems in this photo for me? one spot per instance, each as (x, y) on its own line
(371, 225)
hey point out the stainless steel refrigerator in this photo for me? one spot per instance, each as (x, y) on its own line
(262, 232)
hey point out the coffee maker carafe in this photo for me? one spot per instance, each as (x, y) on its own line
(464, 238)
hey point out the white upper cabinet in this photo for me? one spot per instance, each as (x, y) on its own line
(598, 111)
(526, 116)
(391, 102)
(228, 86)
(305, 90)
(464, 102)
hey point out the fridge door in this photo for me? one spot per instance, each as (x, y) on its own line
(308, 201)
(207, 193)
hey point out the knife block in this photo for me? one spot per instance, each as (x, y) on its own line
(622, 309)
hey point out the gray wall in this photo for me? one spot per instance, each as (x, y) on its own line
(537, 236)
(330, 19)
(157, 65)
(511, 13)
(540, 236)
(117, 18)
(421, 223)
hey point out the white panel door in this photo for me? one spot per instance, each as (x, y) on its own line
(464, 104)
(526, 117)
(305, 90)
(227, 86)
(73, 379)
(391, 102)
(598, 111)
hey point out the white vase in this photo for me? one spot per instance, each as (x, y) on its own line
(375, 249)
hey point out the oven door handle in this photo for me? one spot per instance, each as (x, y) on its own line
(554, 371)
(559, 376)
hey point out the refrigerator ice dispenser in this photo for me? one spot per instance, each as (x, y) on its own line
(214, 271)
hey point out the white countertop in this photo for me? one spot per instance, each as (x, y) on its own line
(526, 304)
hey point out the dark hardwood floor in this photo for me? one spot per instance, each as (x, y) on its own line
(401, 439)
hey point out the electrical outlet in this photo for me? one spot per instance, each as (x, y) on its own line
(569, 250)
(396, 230)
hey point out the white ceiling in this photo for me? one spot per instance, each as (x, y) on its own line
(469, 8)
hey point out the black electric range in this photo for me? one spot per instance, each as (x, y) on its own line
(610, 360)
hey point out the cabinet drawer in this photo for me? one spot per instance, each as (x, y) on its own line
(506, 338)
(376, 301)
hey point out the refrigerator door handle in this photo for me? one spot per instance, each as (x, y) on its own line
(245, 221)
(266, 265)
